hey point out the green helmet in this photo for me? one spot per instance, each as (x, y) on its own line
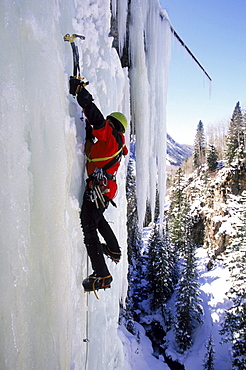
(120, 118)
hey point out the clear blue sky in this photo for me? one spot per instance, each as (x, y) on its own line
(215, 32)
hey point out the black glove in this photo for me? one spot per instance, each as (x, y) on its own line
(84, 98)
(74, 85)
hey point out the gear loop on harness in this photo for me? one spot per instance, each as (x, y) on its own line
(99, 181)
(100, 176)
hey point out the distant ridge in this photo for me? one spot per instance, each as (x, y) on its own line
(177, 153)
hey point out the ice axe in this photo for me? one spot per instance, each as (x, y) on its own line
(76, 68)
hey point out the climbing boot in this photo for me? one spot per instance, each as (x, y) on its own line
(115, 256)
(94, 282)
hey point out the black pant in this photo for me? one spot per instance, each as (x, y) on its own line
(92, 220)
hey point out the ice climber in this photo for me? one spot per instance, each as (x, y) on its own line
(104, 147)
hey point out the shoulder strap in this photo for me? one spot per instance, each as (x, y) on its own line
(119, 152)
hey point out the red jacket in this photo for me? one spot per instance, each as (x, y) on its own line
(109, 143)
(105, 150)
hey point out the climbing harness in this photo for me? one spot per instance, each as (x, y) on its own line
(76, 67)
(106, 158)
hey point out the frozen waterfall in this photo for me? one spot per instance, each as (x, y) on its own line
(150, 39)
(47, 322)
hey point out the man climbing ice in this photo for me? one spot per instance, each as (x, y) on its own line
(104, 147)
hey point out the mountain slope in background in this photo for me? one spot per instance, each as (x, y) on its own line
(177, 153)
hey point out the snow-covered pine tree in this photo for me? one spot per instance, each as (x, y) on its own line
(234, 328)
(134, 235)
(199, 146)
(235, 143)
(212, 158)
(188, 304)
(157, 206)
(209, 357)
(159, 270)
(188, 308)
(148, 214)
(134, 243)
(178, 214)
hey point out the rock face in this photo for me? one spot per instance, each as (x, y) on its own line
(216, 199)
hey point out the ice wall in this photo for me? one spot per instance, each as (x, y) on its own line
(44, 316)
(36, 295)
(47, 322)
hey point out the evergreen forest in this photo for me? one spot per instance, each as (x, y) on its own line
(206, 209)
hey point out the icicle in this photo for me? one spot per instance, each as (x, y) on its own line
(122, 7)
(140, 102)
(164, 53)
(150, 43)
(114, 7)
